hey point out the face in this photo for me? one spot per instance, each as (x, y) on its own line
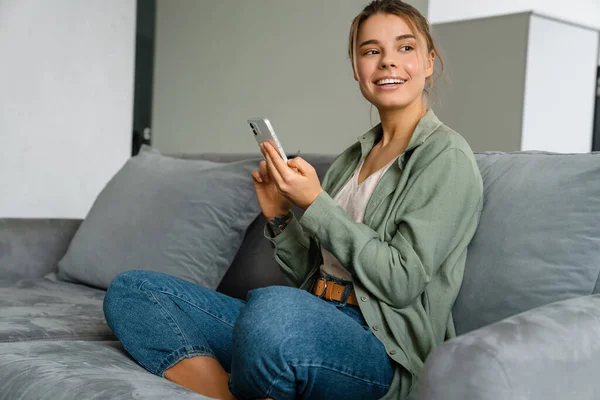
(392, 62)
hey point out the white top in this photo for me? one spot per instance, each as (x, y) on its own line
(353, 198)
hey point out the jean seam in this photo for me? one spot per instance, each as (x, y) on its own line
(142, 283)
(268, 394)
(151, 293)
(163, 291)
(383, 385)
(195, 306)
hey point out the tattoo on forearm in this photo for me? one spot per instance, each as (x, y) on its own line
(278, 223)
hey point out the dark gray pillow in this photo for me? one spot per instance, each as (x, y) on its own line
(185, 218)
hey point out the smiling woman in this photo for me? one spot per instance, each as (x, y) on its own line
(376, 260)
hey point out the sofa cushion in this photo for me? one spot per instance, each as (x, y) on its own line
(34, 309)
(74, 370)
(185, 218)
(32, 247)
(538, 240)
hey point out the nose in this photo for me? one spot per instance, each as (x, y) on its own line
(388, 63)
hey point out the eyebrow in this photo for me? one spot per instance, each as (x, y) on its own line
(400, 37)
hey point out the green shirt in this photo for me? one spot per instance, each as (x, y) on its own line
(408, 256)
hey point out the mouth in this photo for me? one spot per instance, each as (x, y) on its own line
(390, 82)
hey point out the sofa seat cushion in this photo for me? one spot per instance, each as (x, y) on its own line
(33, 309)
(74, 369)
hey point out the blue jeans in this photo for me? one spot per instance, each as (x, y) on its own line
(283, 343)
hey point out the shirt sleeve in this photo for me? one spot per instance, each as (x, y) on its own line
(438, 212)
(294, 251)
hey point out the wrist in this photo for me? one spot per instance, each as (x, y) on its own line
(279, 213)
(279, 222)
(313, 198)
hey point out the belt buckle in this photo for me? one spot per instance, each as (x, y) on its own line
(320, 296)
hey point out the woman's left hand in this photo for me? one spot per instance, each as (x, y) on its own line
(301, 187)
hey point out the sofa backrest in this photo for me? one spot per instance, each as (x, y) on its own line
(538, 240)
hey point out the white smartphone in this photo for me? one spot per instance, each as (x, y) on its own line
(263, 131)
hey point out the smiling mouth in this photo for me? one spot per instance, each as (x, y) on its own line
(390, 82)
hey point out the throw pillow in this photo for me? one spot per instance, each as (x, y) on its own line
(185, 218)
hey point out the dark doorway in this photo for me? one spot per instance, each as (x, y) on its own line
(596, 140)
(144, 71)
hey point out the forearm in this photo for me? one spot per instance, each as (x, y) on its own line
(293, 250)
(376, 264)
(278, 223)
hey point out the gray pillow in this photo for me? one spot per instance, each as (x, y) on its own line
(538, 240)
(185, 218)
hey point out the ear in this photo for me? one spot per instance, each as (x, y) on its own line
(430, 63)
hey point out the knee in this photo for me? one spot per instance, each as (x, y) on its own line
(120, 292)
(269, 335)
(268, 326)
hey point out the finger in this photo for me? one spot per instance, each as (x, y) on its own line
(273, 171)
(277, 161)
(256, 176)
(301, 165)
(262, 166)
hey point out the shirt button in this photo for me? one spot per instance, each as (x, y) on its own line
(392, 352)
(364, 298)
(375, 327)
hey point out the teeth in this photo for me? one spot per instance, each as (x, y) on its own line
(389, 81)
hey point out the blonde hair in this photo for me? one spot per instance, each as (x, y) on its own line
(413, 17)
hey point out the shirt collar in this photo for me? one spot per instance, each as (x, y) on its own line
(426, 126)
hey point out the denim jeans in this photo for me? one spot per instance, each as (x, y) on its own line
(283, 342)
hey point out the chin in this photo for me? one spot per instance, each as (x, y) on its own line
(389, 105)
(394, 104)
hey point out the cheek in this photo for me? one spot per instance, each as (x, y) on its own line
(366, 67)
(363, 74)
(414, 66)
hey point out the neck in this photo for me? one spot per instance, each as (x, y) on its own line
(399, 124)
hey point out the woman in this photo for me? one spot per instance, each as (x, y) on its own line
(377, 257)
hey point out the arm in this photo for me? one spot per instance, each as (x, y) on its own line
(292, 247)
(296, 252)
(438, 211)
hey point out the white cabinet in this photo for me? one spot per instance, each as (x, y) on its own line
(518, 82)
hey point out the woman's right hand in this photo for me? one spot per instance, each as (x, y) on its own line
(271, 201)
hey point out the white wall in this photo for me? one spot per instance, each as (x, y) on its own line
(66, 102)
(586, 12)
(421, 5)
(558, 111)
(219, 63)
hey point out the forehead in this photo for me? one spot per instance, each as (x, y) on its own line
(384, 27)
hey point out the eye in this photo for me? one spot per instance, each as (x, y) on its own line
(406, 48)
(370, 52)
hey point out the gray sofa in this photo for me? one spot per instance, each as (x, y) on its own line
(527, 316)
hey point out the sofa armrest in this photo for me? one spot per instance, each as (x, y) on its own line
(551, 352)
(31, 248)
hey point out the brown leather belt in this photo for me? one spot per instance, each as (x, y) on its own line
(330, 290)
